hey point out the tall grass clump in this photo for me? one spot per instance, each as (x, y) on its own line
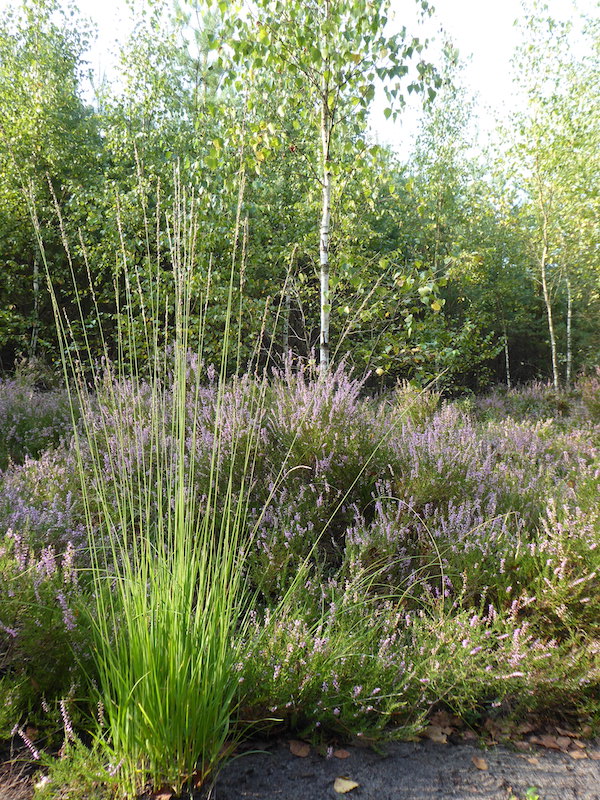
(168, 603)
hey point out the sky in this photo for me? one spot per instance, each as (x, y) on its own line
(483, 31)
(486, 35)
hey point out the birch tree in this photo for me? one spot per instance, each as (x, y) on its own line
(557, 166)
(324, 59)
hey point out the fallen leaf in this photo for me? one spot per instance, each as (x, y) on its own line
(470, 736)
(576, 754)
(436, 734)
(579, 744)
(533, 760)
(525, 727)
(31, 732)
(547, 741)
(299, 749)
(341, 753)
(445, 720)
(595, 756)
(563, 742)
(480, 763)
(586, 730)
(495, 728)
(564, 732)
(522, 746)
(164, 793)
(344, 785)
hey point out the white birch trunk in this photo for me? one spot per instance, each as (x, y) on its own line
(325, 232)
(545, 286)
(548, 304)
(569, 339)
(286, 324)
(36, 307)
(507, 358)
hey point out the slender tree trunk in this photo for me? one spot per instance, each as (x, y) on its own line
(325, 231)
(36, 307)
(569, 340)
(544, 200)
(548, 304)
(286, 323)
(547, 298)
(506, 356)
(438, 234)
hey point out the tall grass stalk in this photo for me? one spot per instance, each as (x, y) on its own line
(169, 603)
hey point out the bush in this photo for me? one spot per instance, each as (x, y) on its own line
(40, 631)
(589, 387)
(401, 558)
(31, 419)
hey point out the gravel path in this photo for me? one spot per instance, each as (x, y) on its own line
(399, 771)
(412, 771)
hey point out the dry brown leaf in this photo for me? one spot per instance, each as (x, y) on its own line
(298, 748)
(341, 753)
(436, 734)
(595, 756)
(580, 745)
(445, 720)
(522, 746)
(480, 763)
(469, 736)
(495, 730)
(31, 732)
(547, 741)
(164, 793)
(563, 742)
(525, 727)
(586, 730)
(344, 785)
(576, 754)
(564, 732)
(533, 760)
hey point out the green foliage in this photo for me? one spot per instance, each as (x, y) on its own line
(49, 148)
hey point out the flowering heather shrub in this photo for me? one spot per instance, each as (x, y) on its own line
(565, 596)
(463, 498)
(40, 501)
(329, 431)
(533, 401)
(31, 420)
(418, 405)
(347, 671)
(475, 544)
(39, 593)
(589, 386)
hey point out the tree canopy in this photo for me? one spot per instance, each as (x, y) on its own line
(476, 265)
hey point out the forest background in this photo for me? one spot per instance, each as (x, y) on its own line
(479, 264)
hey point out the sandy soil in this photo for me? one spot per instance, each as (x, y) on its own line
(396, 771)
(412, 771)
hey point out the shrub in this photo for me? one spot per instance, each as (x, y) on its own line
(589, 387)
(31, 419)
(40, 627)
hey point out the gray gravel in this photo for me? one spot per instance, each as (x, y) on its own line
(410, 771)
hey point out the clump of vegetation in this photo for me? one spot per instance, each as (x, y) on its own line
(469, 541)
(201, 530)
